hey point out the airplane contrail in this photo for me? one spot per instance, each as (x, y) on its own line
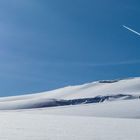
(131, 30)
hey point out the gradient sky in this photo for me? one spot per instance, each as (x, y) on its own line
(47, 44)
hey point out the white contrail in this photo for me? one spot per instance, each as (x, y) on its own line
(131, 30)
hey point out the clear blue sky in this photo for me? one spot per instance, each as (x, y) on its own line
(47, 44)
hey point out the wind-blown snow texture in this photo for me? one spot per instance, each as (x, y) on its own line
(102, 110)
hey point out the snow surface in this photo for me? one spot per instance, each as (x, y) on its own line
(102, 110)
(28, 126)
(117, 109)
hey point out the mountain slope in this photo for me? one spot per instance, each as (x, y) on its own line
(102, 110)
(95, 92)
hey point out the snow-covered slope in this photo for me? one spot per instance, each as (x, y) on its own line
(95, 92)
(117, 109)
(104, 87)
(102, 110)
(29, 126)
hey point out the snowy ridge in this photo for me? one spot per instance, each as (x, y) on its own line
(95, 92)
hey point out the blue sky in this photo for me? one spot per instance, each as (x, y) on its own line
(47, 44)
